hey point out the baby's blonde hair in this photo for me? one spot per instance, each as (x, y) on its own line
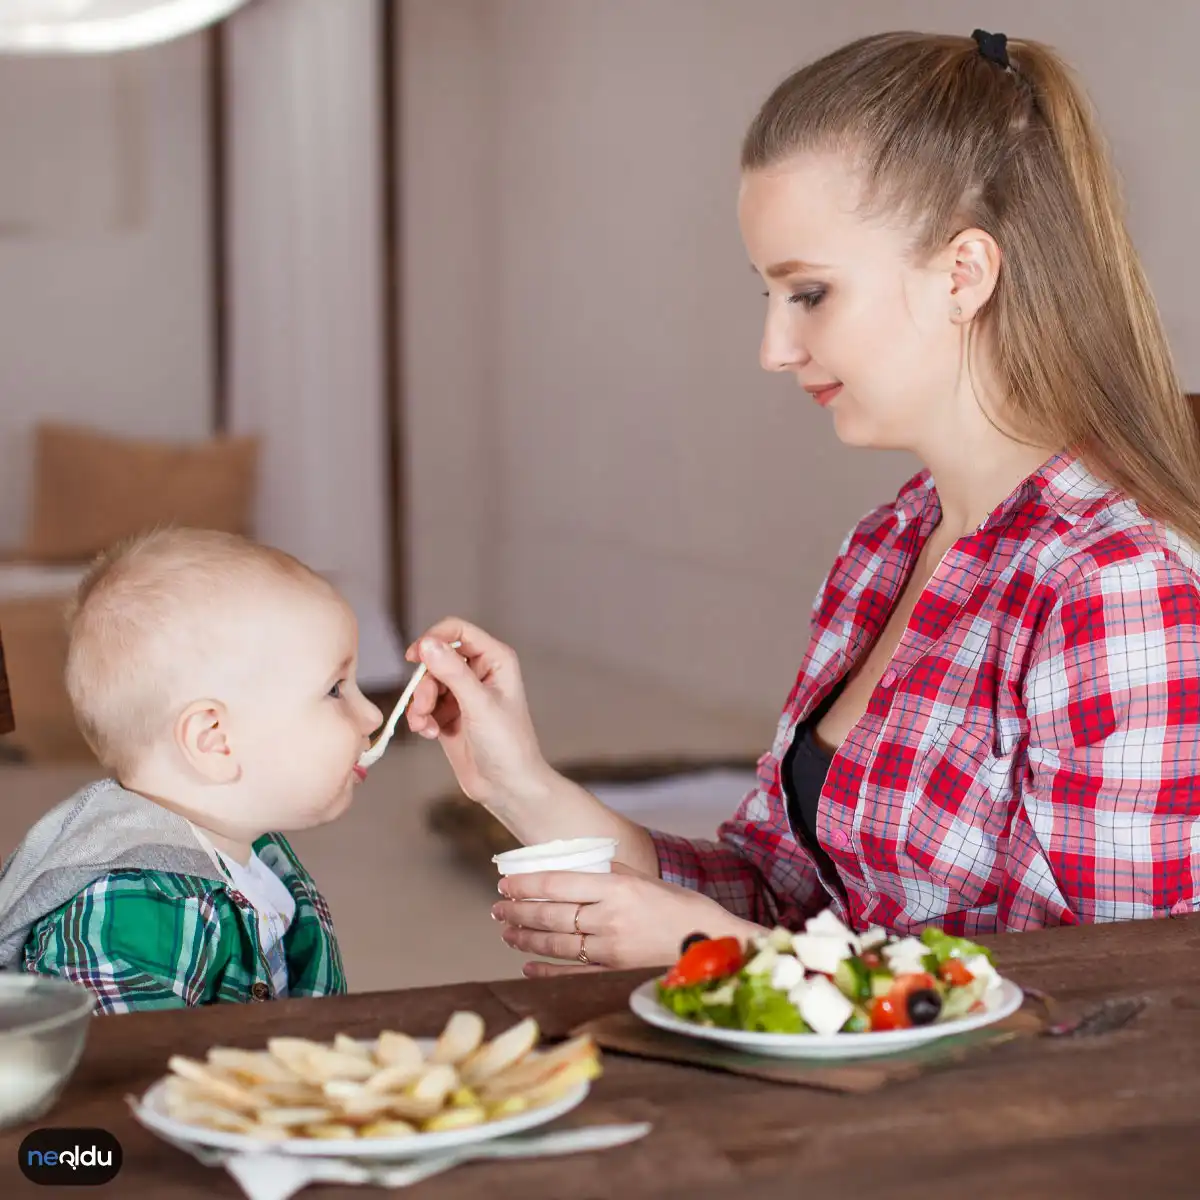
(148, 617)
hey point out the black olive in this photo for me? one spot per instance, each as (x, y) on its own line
(691, 940)
(923, 1006)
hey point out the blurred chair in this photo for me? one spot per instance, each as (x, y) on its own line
(91, 489)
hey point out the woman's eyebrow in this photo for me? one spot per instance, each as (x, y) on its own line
(792, 266)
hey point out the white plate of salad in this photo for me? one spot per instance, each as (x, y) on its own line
(827, 992)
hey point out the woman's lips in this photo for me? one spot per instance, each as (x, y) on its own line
(825, 393)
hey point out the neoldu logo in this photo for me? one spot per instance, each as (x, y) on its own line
(70, 1157)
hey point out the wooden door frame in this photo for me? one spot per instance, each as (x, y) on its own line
(7, 722)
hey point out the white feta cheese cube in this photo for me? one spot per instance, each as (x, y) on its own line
(981, 968)
(875, 936)
(820, 953)
(823, 1007)
(906, 957)
(827, 924)
(797, 993)
(786, 973)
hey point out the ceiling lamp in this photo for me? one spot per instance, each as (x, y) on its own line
(102, 26)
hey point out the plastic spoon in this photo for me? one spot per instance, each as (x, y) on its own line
(370, 757)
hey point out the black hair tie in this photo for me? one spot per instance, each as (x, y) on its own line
(993, 47)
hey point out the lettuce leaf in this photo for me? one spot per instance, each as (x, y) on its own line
(945, 946)
(760, 1008)
(695, 1003)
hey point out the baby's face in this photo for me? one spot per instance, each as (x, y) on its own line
(296, 721)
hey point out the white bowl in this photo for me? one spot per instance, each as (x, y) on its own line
(43, 1026)
(593, 855)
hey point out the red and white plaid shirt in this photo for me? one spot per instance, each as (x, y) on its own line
(1031, 755)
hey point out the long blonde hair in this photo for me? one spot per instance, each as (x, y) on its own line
(951, 140)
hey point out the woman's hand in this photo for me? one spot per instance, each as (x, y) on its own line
(620, 920)
(473, 700)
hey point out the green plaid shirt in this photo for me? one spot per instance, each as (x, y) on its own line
(149, 939)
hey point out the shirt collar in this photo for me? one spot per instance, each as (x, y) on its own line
(1061, 484)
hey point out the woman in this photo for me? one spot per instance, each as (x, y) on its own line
(996, 722)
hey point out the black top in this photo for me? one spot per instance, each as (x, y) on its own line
(805, 765)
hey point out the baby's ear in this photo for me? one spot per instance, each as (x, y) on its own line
(202, 737)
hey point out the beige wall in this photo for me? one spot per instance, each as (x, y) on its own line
(104, 259)
(598, 466)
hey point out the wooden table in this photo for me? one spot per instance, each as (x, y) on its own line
(1115, 1115)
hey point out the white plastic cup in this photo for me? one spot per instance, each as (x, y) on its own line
(591, 855)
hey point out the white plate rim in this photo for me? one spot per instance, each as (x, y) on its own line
(1003, 1001)
(148, 1112)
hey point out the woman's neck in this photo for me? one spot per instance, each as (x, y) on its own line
(969, 489)
(976, 463)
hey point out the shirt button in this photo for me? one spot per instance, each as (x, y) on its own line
(260, 991)
(888, 678)
(838, 839)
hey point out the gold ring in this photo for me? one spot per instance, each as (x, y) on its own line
(583, 958)
(578, 910)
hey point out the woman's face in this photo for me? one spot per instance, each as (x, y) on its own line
(865, 330)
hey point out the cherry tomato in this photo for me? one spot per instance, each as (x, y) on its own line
(712, 958)
(891, 1011)
(904, 984)
(954, 972)
(886, 1015)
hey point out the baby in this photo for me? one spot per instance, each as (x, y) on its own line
(215, 680)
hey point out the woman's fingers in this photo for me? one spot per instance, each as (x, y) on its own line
(549, 945)
(620, 868)
(446, 712)
(567, 887)
(474, 644)
(473, 701)
(437, 701)
(424, 698)
(451, 629)
(448, 667)
(492, 662)
(428, 710)
(623, 920)
(531, 914)
(545, 970)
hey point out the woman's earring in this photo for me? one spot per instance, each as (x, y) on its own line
(957, 310)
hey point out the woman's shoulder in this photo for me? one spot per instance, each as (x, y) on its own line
(1096, 535)
(1095, 525)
